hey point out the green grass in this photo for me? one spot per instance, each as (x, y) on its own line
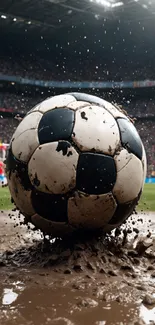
(5, 199)
(147, 201)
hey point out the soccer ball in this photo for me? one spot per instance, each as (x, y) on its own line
(76, 162)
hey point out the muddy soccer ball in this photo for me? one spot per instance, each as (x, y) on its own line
(76, 161)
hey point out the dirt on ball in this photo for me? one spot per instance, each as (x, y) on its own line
(87, 280)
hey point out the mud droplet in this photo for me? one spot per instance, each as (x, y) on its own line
(149, 300)
(36, 181)
(63, 146)
(83, 116)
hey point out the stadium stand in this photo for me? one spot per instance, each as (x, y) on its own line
(72, 68)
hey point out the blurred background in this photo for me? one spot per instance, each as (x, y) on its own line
(103, 47)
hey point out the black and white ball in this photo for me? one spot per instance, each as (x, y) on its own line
(76, 161)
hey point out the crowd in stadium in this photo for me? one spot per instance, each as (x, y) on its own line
(141, 108)
(74, 69)
(16, 102)
(22, 103)
(146, 130)
(7, 128)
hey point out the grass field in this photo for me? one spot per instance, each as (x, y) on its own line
(5, 200)
(147, 202)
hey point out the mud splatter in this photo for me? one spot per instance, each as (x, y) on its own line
(78, 281)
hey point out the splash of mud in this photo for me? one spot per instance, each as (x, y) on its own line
(94, 280)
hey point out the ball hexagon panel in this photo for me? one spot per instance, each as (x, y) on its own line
(78, 104)
(50, 207)
(52, 167)
(56, 102)
(13, 165)
(129, 177)
(30, 122)
(56, 125)
(24, 146)
(34, 109)
(129, 137)
(25, 139)
(93, 211)
(95, 129)
(20, 196)
(144, 164)
(96, 173)
(55, 229)
(115, 111)
(99, 101)
(19, 184)
(88, 98)
(123, 211)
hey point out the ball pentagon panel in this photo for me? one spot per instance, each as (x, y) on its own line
(19, 184)
(55, 229)
(129, 177)
(96, 130)
(129, 137)
(52, 167)
(56, 125)
(51, 207)
(96, 173)
(91, 212)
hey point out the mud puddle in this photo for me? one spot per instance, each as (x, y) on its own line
(38, 297)
(98, 282)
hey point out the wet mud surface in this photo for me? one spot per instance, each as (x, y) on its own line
(91, 281)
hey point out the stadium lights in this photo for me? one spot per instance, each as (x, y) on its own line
(145, 5)
(108, 4)
(104, 3)
(3, 17)
(117, 4)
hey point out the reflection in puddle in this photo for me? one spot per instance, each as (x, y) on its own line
(10, 294)
(39, 304)
(51, 296)
(147, 315)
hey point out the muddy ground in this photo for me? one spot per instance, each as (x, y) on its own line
(94, 281)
